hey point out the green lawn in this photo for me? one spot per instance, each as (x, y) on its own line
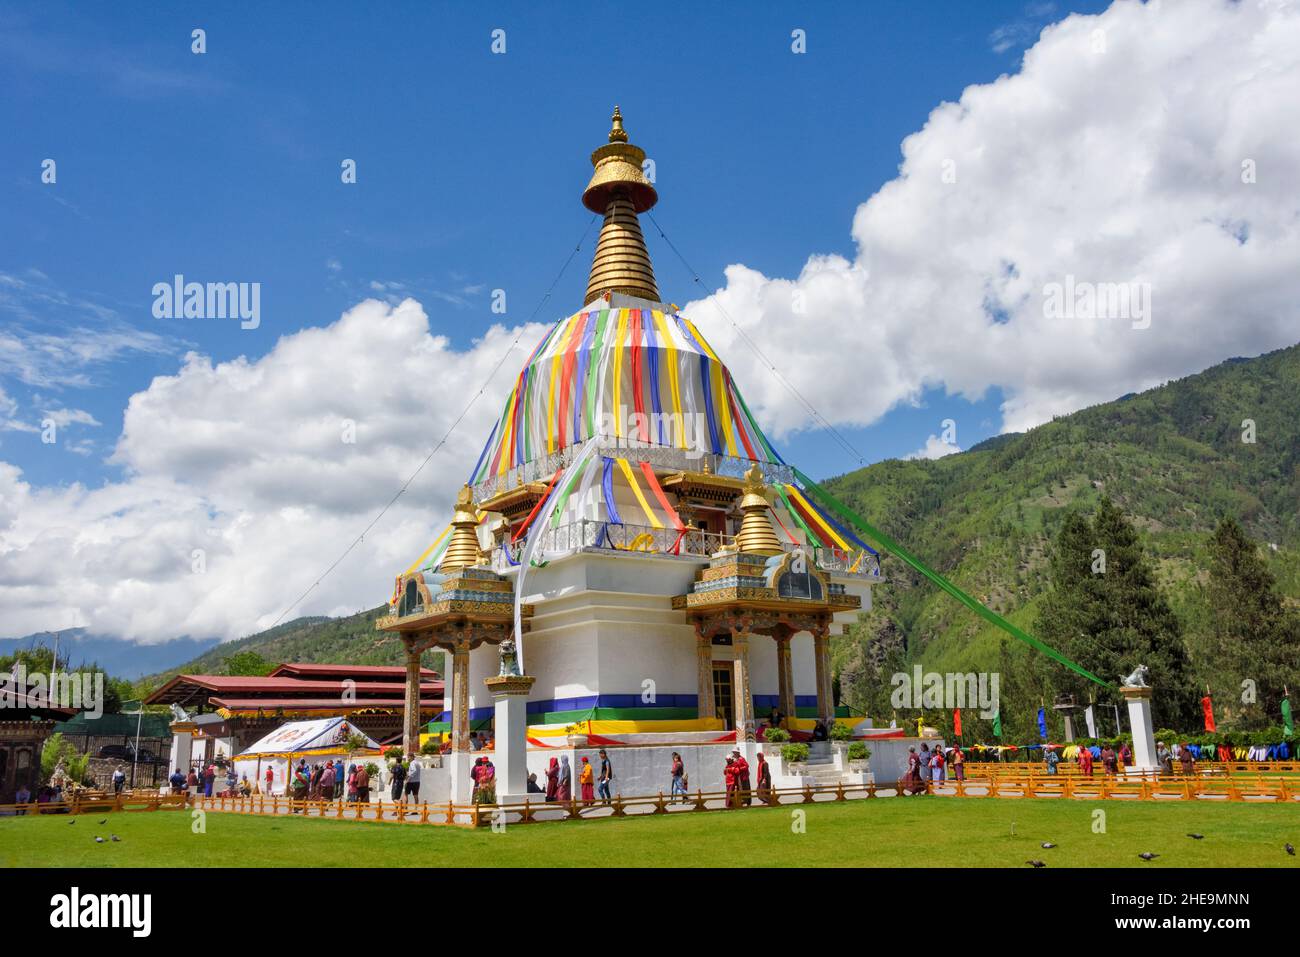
(887, 832)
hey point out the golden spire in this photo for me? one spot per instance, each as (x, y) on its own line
(620, 190)
(462, 550)
(756, 535)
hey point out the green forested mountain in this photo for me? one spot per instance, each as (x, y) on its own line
(1175, 459)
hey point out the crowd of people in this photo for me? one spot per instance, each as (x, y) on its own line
(932, 764)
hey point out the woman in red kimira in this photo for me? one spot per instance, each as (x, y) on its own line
(729, 773)
(552, 779)
(1085, 760)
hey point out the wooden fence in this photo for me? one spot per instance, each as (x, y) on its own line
(87, 802)
(1030, 782)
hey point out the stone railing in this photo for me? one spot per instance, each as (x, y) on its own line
(695, 542)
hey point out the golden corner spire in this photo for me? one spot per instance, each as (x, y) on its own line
(620, 190)
(756, 535)
(462, 550)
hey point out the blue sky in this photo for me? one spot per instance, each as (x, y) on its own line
(884, 214)
(226, 165)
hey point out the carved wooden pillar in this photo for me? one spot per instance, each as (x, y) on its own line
(822, 654)
(460, 696)
(784, 673)
(744, 696)
(411, 714)
(705, 706)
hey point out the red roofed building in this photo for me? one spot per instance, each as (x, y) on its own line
(226, 713)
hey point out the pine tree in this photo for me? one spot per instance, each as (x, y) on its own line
(1250, 636)
(1106, 612)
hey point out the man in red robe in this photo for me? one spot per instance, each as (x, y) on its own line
(742, 777)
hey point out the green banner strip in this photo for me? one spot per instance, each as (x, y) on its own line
(889, 545)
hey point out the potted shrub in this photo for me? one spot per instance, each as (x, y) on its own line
(773, 739)
(858, 754)
(841, 732)
(794, 757)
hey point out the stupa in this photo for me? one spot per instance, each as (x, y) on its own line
(668, 582)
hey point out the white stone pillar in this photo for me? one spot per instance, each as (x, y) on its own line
(510, 698)
(1144, 735)
(182, 746)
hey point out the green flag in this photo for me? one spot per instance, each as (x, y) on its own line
(1286, 717)
(997, 724)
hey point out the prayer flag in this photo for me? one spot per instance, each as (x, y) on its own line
(1286, 717)
(956, 721)
(1042, 723)
(997, 724)
(1090, 721)
(1207, 707)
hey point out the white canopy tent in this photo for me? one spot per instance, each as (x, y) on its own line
(315, 741)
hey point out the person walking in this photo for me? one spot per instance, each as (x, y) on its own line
(606, 776)
(924, 758)
(958, 764)
(763, 782)
(564, 784)
(679, 777)
(399, 780)
(937, 764)
(552, 779)
(209, 776)
(1085, 761)
(327, 782)
(1051, 759)
(119, 780)
(585, 780)
(413, 779)
(729, 776)
(742, 778)
(914, 770)
(1187, 761)
(363, 784)
(270, 778)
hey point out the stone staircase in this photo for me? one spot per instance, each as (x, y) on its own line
(821, 765)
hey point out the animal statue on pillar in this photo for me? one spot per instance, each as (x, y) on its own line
(1138, 679)
(509, 659)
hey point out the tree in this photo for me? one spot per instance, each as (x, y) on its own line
(1106, 612)
(248, 663)
(1249, 634)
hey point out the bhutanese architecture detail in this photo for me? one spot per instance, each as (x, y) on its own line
(673, 579)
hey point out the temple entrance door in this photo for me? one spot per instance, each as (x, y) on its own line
(723, 693)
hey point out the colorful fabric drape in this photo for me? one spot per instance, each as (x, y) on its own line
(956, 721)
(1286, 717)
(599, 368)
(997, 724)
(1042, 724)
(607, 486)
(1207, 709)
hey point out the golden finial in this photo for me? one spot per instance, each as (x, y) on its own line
(619, 190)
(617, 134)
